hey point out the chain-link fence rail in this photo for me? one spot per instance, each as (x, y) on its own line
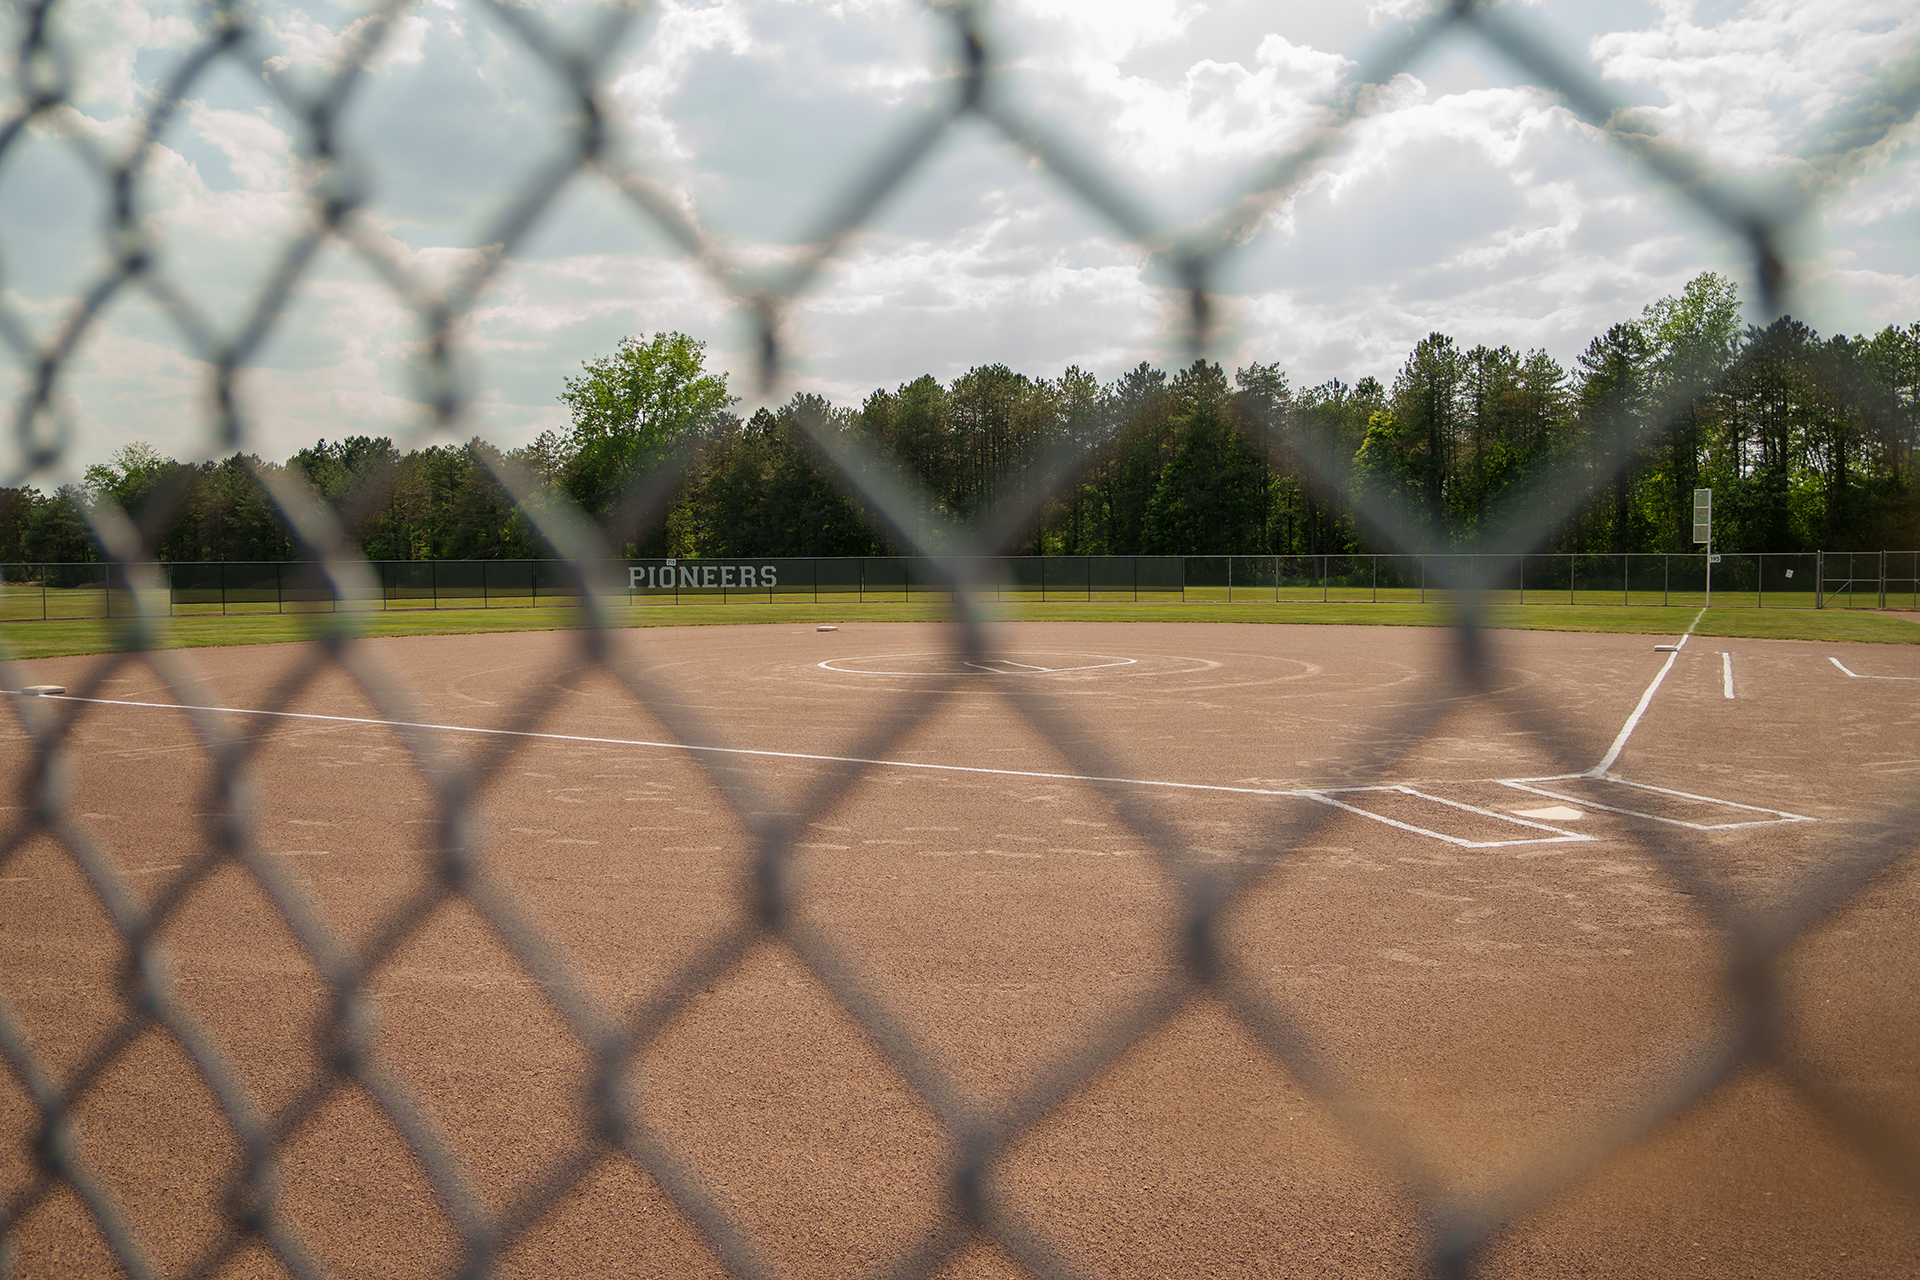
(1762, 580)
(62, 1183)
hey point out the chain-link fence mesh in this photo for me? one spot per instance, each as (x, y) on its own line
(614, 1121)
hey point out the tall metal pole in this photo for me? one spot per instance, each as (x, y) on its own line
(1703, 530)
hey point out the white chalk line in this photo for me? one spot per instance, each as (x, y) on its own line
(1323, 795)
(1690, 627)
(1633, 721)
(1774, 818)
(1558, 836)
(1857, 676)
(1600, 771)
(988, 666)
(1320, 795)
(1646, 700)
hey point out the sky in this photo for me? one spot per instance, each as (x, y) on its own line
(1466, 199)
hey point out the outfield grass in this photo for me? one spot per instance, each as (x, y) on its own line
(60, 637)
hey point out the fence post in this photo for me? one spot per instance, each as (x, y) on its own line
(1626, 577)
(1323, 578)
(1819, 579)
(1376, 579)
(1666, 577)
(1423, 579)
(1229, 579)
(1883, 580)
(1573, 561)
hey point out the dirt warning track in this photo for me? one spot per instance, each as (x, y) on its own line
(1483, 954)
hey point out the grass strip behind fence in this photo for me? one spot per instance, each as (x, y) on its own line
(29, 640)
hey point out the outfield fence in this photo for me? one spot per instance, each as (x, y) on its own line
(1784, 580)
(68, 1171)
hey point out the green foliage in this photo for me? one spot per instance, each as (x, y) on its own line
(1323, 433)
(1428, 403)
(631, 410)
(213, 511)
(911, 426)
(1386, 471)
(1210, 497)
(768, 493)
(1613, 422)
(1806, 441)
(50, 528)
(229, 515)
(439, 503)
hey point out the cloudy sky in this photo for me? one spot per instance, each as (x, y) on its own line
(1468, 200)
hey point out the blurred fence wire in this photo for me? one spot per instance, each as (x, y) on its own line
(41, 93)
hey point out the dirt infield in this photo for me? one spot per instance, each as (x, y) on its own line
(1477, 941)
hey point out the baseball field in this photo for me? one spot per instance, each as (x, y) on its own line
(1138, 949)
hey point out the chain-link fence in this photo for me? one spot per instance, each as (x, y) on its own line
(50, 1160)
(1762, 580)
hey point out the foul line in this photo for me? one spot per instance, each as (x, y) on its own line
(1646, 700)
(1326, 796)
(680, 746)
(1690, 627)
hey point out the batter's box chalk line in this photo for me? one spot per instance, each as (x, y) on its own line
(1774, 817)
(1857, 675)
(1555, 835)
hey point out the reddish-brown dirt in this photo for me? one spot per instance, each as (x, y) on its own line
(1488, 1012)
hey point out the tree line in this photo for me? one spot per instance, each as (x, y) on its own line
(1807, 442)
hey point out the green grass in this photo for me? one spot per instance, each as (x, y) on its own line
(54, 638)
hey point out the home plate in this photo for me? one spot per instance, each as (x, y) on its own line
(1552, 813)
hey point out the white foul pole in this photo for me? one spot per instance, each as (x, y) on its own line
(1703, 531)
